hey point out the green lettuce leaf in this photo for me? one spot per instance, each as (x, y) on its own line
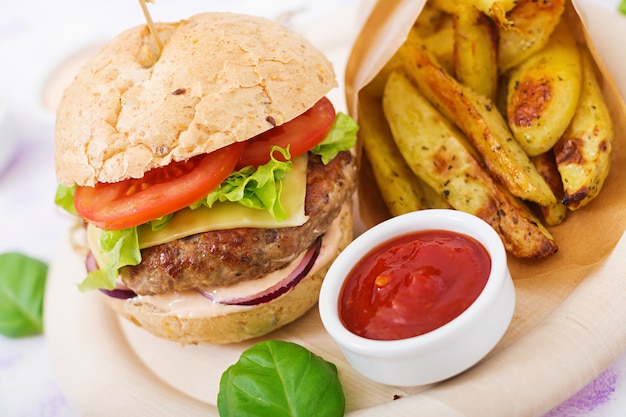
(622, 7)
(161, 222)
(280, 379)
(121, 248)
(341, 137)
(258, 188)
(64, 198)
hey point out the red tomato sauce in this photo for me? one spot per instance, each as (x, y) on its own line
(413, 284)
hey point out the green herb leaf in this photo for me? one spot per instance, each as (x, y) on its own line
(64, 198)
(257, 188)
(121, 248)
(622, 7)
(22, 287)
(342, 137)
(160, 222)
(280, 379)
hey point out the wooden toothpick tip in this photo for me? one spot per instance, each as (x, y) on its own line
(155, 35)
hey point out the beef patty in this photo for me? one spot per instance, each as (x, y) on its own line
(226, 257)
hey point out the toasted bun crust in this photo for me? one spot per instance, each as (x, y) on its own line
(238, 325)
(220, 78)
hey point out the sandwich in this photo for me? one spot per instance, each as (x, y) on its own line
(212, 175)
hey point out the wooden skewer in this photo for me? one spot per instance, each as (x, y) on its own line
(155, 35)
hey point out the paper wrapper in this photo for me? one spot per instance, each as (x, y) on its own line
(564, 301)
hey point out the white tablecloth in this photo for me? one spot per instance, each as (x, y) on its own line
(38, 36)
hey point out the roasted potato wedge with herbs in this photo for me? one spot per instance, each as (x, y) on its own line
(543, 92)
(475, 50)
(401, 190)
(583, 154)
(531, 24)
(441, 44)
(493, 108)
(439, 154)
(481, 122)
(496, 10)
(431, 19)
(553, 214)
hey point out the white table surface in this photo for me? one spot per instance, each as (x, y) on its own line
(36, 37)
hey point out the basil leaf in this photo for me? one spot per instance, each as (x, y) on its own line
(280, 379)
(22, 286)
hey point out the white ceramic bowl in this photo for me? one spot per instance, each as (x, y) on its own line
(441, 353)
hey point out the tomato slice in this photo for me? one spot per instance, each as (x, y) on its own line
(301, 134)
(161, 191)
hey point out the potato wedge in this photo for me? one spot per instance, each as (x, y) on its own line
(475, 50)
(583, 154)
(543, 93)
(431, 19)
(400, 189)
(479, 119)
(441, 44)
(495, 9)
(554, 214)
(439, 154)
(532, 23)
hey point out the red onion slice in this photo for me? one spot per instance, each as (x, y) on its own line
(119, 293)
(276, 290)
(122, 293)
(281, 287)
(90, 263)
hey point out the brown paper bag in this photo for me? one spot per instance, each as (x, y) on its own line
(588, 256)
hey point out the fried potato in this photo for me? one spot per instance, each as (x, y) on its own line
(475, 50)
(532, 23)
(439, 154)
(441, 44)
(543, 92)
(496, 10)
(400, 189)
(553, 214)
(431, 19)
(583, 154)
(479, 119)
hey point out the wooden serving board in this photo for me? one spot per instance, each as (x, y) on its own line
(109, 367)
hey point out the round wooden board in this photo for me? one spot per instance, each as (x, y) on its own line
(107, 367)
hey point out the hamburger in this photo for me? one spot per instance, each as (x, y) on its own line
(213, 176)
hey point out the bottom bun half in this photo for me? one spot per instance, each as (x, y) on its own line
(202, 321)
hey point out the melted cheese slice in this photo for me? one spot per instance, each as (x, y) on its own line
(224, 215)
(227, 215)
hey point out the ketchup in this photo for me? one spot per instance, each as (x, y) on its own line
(413, 284)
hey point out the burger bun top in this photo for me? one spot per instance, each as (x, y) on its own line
(220, 78)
